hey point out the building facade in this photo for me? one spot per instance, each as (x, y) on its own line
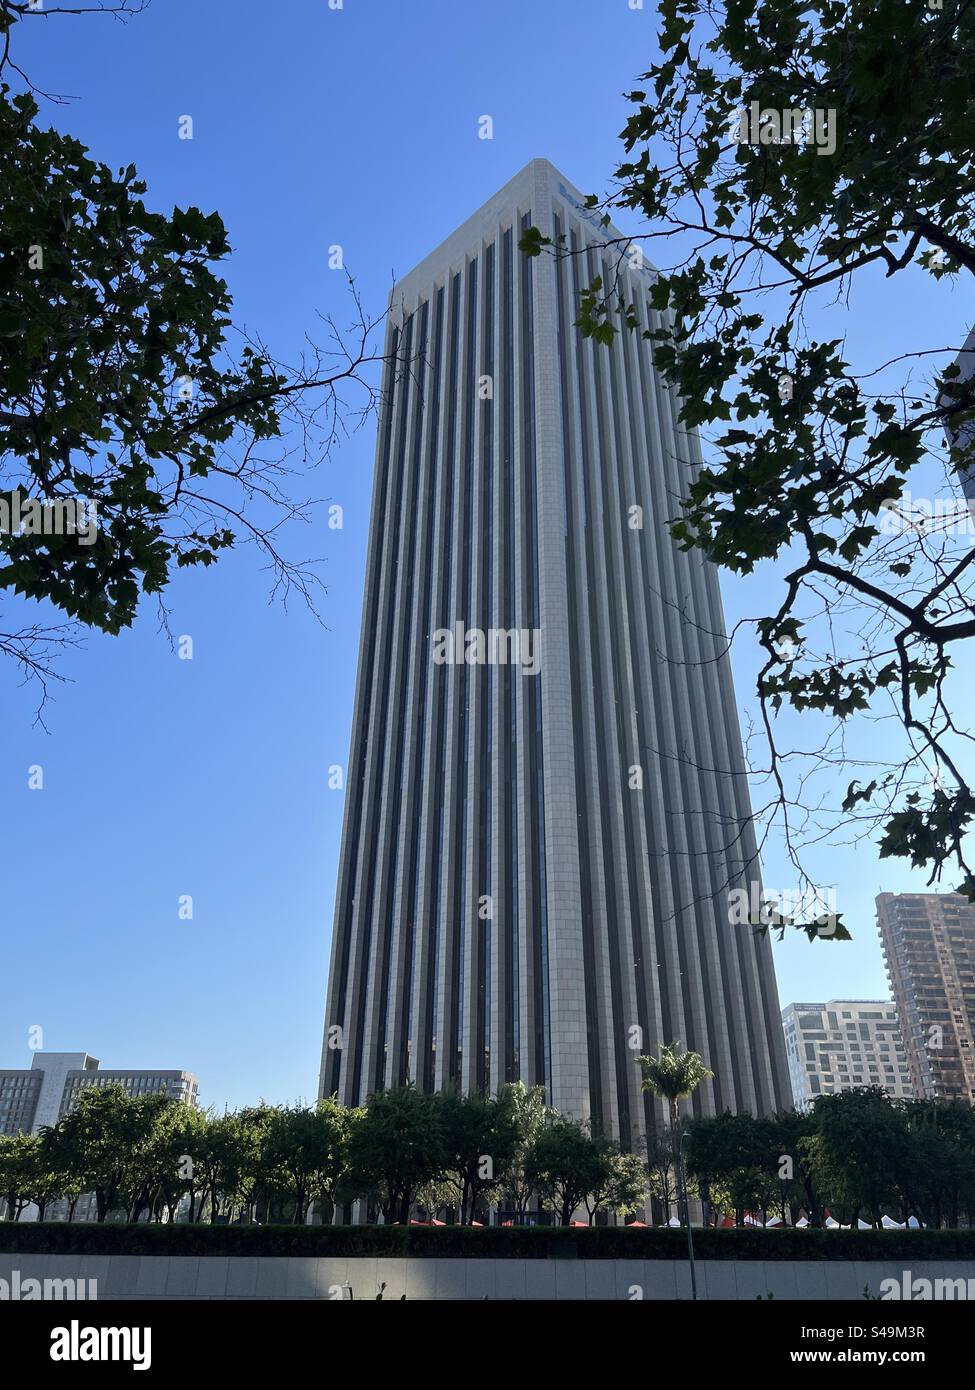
(929, 944)
(962, 436)
(32, 1098)
(842, 1044)
(546, 799)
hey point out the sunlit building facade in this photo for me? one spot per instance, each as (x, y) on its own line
(546, 800)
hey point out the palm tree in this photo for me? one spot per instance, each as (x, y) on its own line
(675, 1075)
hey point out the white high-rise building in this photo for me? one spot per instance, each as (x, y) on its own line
(844, 1044)
(547, 806)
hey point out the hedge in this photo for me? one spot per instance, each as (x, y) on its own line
(535, 1243)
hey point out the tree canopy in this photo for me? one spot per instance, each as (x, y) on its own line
(786, 159)
(855, 1154)
(141, 432)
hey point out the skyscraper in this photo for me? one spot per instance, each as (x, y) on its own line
(929, 943)
(546, 801)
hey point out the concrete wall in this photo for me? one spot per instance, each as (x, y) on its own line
(169, 1277)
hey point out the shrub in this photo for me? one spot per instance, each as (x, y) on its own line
(518, 1242)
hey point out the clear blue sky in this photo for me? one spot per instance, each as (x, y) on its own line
(209, 777)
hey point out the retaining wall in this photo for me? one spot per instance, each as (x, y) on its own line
(217, 1276)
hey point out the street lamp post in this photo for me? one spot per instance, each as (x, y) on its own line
(687, 1212)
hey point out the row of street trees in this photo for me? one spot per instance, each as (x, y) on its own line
(854, 1155)
(154, 1157)
(857, 1155)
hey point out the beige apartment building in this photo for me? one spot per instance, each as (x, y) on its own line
(929, 943)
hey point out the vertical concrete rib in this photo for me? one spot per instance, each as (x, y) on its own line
(392, 651)
(665, 843)
(452, 859)
(474, 616)
(361, 973)
(414, 1043)
(497, 1009)
(513, 776)
(600, 658)
(427, 969)
(401, 772)
(336, 1051)
(645, 802)
(527, 1060)
(595, 946)
(629, 643)
(560, 915)
(668, 698)
(402, 924)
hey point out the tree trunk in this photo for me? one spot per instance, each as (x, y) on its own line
(813, 1204)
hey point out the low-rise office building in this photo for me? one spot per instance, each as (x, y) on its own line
(32, 1098)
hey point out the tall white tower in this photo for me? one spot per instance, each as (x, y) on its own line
(547, 806)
